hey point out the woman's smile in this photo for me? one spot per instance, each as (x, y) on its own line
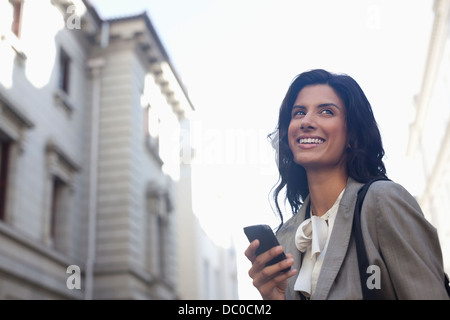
(309, 142)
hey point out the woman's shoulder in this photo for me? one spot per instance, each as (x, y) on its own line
(384, 194)
(389, 189)
(378, 191)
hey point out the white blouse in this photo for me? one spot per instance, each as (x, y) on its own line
(312, 236)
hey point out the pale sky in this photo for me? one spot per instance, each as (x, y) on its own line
(237, 59)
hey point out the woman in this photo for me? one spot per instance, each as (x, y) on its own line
(328, 146)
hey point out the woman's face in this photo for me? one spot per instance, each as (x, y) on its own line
(317, 131)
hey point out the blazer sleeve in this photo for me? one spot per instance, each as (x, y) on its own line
(408, 245)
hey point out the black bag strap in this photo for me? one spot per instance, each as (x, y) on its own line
(363, 261)
(447, 283)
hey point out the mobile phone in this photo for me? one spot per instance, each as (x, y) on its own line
(267, 240)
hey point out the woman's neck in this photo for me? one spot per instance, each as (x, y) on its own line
(324, 189)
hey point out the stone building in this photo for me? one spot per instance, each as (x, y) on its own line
(429, 140)
(93, 120)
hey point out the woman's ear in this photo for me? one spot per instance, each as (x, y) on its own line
(351, 144)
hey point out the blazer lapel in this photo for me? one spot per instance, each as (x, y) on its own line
(339, 241)
(287, 238)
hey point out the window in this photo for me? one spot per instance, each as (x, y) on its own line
(61, 95)
(17, 17)
(58, 216)
(13, 129)
(159, 244)
(59, 221)
(4, 163)
(157, 231)
(58, 192)
(64, 71)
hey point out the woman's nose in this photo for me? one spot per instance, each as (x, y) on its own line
(307, 122)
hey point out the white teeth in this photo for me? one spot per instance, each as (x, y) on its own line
(311, 140)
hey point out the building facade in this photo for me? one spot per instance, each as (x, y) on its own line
(92, 124)
(208, 271)
(429, 142)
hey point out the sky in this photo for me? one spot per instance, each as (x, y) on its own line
(236, 59)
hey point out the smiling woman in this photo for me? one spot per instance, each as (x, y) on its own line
(331, 107)
(329, 146)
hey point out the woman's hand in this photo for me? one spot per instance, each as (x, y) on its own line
(270, 282)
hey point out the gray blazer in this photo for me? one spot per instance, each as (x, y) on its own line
(398, 239)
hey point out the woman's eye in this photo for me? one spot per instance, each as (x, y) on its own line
(298, 113)
(327, 111)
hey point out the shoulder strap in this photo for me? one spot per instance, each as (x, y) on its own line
(447, 283)
(363, 261)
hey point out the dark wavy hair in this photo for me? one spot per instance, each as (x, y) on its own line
(364, 155)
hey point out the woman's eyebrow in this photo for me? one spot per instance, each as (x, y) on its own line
(318, 106)
(328, 104)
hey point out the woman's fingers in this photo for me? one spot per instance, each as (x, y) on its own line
(259, 262)
(276, 285)
(259, 271)
(250, 253)
(262, 274)
(269, 280)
